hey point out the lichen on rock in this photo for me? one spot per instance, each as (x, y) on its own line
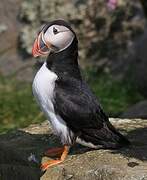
(102, 34)
(81, 163)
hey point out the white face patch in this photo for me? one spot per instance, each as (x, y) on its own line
(59, 36)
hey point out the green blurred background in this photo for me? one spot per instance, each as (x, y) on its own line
(112, 55)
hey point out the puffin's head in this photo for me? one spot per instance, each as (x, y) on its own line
(54, 37)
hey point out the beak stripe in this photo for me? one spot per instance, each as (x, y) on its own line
(41, 47)
(48, 44)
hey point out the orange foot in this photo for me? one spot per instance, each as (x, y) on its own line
(52, 152)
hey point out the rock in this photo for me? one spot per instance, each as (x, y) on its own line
(123, 164)
(102, 34)
(138, 71)
(138, 110)
(3, 28)
(133, 67)
(11, 62)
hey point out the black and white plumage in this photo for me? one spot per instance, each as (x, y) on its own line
(72, 109)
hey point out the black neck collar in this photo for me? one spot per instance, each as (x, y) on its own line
(65, 63)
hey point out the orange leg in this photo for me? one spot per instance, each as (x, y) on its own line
(54, 152)
(50, 163)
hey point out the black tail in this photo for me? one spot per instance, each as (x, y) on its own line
(118, 140)
(107, 137)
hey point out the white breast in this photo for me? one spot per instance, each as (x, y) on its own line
(43, 90)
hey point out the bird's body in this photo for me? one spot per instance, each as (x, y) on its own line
(72, 109)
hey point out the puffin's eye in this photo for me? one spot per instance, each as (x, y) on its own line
(55, 31)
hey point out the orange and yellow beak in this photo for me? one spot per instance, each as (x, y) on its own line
(41, 47)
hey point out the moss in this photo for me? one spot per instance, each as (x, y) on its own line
(19, 109)
(17, 105)
(114, 95)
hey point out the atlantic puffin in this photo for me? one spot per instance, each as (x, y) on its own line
(70, 106)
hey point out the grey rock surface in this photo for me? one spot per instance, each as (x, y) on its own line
(139, 72)
(12, 62)
(82, 163)
(103, 34)
(136, 111)
(133, 67)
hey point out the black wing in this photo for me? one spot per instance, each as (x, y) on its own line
(78, 107)
(76, 104)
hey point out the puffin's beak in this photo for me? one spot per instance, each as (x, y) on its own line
(40, 47)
